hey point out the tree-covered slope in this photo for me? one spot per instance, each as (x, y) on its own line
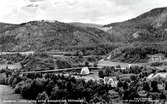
(44, 35)
(148, 27)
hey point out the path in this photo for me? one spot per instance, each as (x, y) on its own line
(103, 63)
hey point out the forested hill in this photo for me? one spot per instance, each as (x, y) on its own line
(45, 35)
(148, 27)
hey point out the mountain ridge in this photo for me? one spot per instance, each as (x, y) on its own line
(44, 35)
(149, 26)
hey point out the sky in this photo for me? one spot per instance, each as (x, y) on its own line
(86, 11)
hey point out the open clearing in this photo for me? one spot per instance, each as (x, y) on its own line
(7, 96)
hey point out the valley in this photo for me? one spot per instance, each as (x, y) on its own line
(89, 63)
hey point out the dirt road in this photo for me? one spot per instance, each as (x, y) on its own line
(102, 63)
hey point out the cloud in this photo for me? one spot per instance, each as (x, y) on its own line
(94, 11)
(35, 0)
(32, 5)
(127, 2)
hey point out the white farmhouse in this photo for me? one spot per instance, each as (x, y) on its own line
(85, 71)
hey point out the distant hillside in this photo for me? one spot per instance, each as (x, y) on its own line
(148, 27)
(44, 35)
(89, 25)
(137, 52)
(78, 24)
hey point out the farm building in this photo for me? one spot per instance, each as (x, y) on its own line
(10, 66)
(85, 71)
(156, 58)
(111, 81)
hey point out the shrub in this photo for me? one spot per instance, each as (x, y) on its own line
(62, 64)
(154, 86)
(42, 98)
(33, 88)
(3, 79)
(156, 64)
(15, 81)
(49, 87)
(27, 90)
(58, 93)
(19, 87)
(101, 74)
(133, 77)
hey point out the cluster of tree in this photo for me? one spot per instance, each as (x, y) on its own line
(112, 71)
(63, 64)
(133, 69)
(129, 90)
(157, 64)
(77, 61)
(99, 49)
(43, 61)
(38, 62)
(138, 52)
(130, 87)
(11, 58)
(106, 71)
(58, 87)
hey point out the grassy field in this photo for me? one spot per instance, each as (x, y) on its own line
(7, 96)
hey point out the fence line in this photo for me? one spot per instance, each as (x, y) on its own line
(59, 70)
